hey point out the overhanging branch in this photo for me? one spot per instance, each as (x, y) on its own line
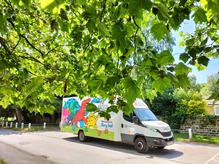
(3, 43)
(31, 44)
(135, 36)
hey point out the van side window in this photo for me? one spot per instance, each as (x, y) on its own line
(128, 117)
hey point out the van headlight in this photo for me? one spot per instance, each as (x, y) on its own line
(153, 129)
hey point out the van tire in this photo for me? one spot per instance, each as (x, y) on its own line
(81, 136)
(141, 145)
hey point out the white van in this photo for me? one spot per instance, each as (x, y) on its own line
(141, 128)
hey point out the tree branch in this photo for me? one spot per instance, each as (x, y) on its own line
(135, 48)
(57, 47)
(31, 45)
(16, 44)
(48, 66)
(9, 4)
(104, 7)
(10, 21)
(3, 43)
(34, 59)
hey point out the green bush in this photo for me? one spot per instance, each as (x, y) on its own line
(2, 161)
(174, 107)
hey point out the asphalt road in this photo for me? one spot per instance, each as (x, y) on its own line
(64, 148)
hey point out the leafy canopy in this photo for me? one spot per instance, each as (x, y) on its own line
(60, 47)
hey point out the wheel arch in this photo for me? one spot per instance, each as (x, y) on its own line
(138, 135)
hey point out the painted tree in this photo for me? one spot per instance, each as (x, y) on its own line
(60, 47)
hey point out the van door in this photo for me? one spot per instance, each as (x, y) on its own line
(127, 129)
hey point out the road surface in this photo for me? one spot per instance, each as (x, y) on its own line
(49, 147)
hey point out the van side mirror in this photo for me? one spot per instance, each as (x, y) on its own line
(135, 120)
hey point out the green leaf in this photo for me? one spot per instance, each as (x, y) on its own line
(128, 108)
(132, 91)
(136, 5)
(161, 84)
(53, 6)
(63, 15)
(90, 12)
(172, 78)
(204, 41)
(159, 30)
(208, 49)
(146, 4)
(183, 81)
(90, 107)
(165, 58)
(120, 36)
(200, 15)
(184, 57)
(81, 2)
(203, 60)
(50, 109)
(104, 114)
(190, 42)
(4, 103)
(182, 69)
(26, 2)
(15, 2)
(2, 65)
(103, 29)
(34, 85)
(214, 96)
(162, 12)
(91, 26)
(112, 108)
(96, 82)
(194, 51)
(3, 27)
(147, 62)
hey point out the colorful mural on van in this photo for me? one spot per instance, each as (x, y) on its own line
(75, 117)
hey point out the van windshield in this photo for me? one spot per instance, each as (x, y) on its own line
(145, 114)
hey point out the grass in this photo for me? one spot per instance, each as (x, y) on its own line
(2, 161)
(36, 128)
(196, 138)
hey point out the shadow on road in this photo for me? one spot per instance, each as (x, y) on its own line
(125, 148)
(9, 132)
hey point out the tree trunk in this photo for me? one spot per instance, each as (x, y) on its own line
(18, 115)
(53, 117)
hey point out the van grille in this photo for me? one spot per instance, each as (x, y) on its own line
(165, 134)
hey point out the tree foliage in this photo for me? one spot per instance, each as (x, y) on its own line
(192, 102)
(193, 85)
(164, 105)
(211, 87)
(175, 106)
(60, 47)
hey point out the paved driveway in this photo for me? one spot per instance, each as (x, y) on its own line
(64, 148)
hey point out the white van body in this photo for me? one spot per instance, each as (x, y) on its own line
(141, 128)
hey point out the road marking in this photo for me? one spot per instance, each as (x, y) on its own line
(212, 159)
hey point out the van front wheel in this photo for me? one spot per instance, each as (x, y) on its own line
(81, 136)
(141, 145)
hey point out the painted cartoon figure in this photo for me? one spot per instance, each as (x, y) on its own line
(69, 110)
(92, 120)
(65, 116)
(79, 118)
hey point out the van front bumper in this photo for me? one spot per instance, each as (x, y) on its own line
(159, 142)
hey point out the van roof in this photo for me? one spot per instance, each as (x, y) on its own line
(139, 104)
